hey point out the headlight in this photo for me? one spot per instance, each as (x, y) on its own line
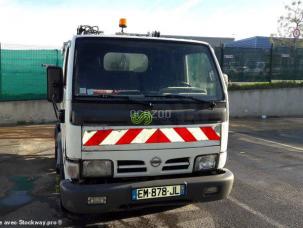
(206, 162)
(97, 168)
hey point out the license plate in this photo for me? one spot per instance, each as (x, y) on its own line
(158, 192)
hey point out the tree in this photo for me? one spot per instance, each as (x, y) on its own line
(293, 19)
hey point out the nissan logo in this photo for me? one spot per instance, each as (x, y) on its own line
(155, 162)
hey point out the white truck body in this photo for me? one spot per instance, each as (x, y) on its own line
(142, 157)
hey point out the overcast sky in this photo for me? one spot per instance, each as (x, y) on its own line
(50, 22)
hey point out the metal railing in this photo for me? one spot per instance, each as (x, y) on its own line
(22, 76)
(258, 64)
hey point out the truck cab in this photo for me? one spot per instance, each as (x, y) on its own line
(142, 121)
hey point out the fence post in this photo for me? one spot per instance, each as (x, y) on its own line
(270, 62)
(57, 60)
(222, 56)
(294, 61)
(0, 73)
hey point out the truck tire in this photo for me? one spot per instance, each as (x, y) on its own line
(56, 148)
(59, 157)
(62, 175)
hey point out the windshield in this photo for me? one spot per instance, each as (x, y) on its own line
(116, 67)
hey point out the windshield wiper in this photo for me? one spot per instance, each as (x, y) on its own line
(210, 104)
(128, 98)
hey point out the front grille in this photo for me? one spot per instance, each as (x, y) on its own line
(131, 166)
(176, 164)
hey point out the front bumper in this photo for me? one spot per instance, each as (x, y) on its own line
(74, 197)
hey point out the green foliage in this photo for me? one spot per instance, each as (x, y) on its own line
(287, 23)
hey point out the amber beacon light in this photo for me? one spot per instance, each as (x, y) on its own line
(122, 23)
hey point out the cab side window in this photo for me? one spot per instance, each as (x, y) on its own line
(199, 72)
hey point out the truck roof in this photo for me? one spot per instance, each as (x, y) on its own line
(142, 37)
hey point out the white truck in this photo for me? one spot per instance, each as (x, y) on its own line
(142, 121)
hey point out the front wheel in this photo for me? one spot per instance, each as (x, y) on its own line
(56, 149)
(59, 157)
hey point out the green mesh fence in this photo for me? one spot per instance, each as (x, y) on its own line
(22, 74)
(257, 64)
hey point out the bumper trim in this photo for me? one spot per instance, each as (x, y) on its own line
(74, 196)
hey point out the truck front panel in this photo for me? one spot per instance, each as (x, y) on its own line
(143, 114)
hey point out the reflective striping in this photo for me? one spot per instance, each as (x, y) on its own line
(172, 135)
(128, 137)
(197, 133)
(150, 135)
(113, 137)
(185, 134)
(158, 137)
(144, 136)
(87, 135)
(98, 137)
(210, 133)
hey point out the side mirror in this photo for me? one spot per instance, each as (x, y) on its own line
(54, 84)
(225, 76)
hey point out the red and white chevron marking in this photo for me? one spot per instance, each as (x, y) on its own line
(150, 135)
